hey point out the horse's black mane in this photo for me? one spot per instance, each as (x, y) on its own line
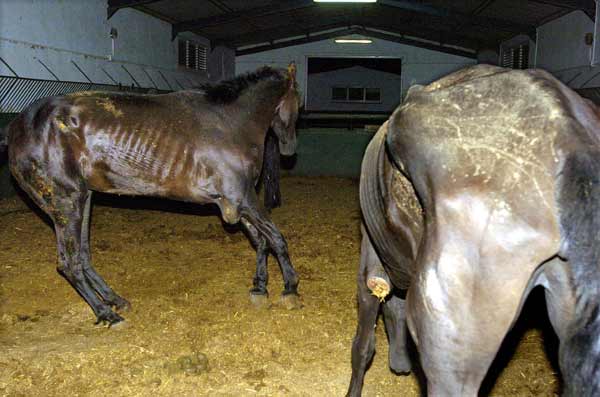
(229, 90)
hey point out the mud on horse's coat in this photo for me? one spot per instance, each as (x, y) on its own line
(202, 146)
(506, 166)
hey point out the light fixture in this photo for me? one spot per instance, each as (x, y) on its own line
(353, 41)
(345, 1)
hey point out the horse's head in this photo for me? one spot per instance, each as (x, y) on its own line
(286, 114)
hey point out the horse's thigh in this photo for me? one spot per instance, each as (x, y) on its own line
(560, 301)
(458, 322)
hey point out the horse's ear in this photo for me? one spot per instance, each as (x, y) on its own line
(291, 69)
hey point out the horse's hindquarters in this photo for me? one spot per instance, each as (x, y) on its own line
(470, 285)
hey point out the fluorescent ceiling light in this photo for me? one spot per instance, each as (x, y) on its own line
(345, 1)
(354, 41)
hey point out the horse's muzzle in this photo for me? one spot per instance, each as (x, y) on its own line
(287, 148)
(230, 214)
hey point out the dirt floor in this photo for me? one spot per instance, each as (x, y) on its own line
(192, 330)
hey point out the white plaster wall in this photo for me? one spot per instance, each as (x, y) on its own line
(561, 42)
(57, 32)
(419, 66)
(561, 50)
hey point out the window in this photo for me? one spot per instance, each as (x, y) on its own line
(339, 94)
(516, 57)
(372, 95)
(192, 55)
(355, 94)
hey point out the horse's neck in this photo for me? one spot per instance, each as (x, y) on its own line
(258, 105)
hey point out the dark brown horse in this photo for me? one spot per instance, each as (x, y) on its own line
(506, 166)
(202, 146)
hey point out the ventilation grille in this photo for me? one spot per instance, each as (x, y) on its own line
(16, 93)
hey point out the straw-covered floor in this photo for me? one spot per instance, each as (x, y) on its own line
(192, 330)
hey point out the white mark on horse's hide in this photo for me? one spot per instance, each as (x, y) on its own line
(502, 211)
(433, 290)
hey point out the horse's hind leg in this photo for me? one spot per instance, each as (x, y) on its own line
(557, 280)
(363, 345)
(394, 315)
(68, 220)
(94, 279)
(259, 293)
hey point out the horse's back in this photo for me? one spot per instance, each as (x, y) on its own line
(117, 143)
(495, 137)
(391, 212)
(486, 110)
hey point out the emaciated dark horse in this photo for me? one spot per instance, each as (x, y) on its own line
(506, 166)
(196, 146)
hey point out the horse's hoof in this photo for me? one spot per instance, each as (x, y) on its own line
(291, 301)
(119, 325)
(109, 318)
(260, 301)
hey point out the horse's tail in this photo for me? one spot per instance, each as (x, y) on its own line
(391, 246)
(579, 202)
(270, 172)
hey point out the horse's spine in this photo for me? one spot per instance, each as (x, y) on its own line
(579, 202)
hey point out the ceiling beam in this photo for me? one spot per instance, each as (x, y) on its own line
(356, 30)
(237, 16)
(443, 37)
(482, 6)
(116, 5)
(279, 33)
(418, 43)
(423, 32)
(587, 6)
(306, 39)
(460, 18)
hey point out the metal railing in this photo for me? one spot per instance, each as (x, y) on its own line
(16, 93)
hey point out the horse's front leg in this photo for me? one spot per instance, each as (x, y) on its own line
(258, 294)
(259, 219)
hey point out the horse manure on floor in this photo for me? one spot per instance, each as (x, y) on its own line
(192, 329)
